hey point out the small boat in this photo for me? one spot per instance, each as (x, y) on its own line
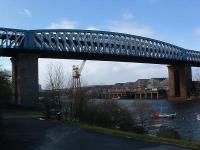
(158, 115)
(169, 116)
(198, 117)
(116, 98)
(157, 125)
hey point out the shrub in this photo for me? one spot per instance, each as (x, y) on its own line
(167, 132)
(139, 130)
(110, 114)
(77, 104)
(107, 114)
(49, 107)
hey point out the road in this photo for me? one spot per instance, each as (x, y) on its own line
(20, 132)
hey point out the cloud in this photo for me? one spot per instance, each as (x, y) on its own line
(127, 16)
(26, 12)
(127, 24)
(64, 24)
(104, 72)
(197, 31)
(132, 27)
(92, 28)
(5, 63)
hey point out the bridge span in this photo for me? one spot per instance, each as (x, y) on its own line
(26, 46)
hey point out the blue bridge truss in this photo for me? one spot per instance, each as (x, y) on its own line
(96, 45)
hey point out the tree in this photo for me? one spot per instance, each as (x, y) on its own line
(195, 85)
(142, 113)
(56, 82)
(5, 86)
(77, 104)
(197, 76)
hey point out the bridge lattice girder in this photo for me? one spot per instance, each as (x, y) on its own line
(97, 42)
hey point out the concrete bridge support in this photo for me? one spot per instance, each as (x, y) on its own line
(180, 81)
(25, 80)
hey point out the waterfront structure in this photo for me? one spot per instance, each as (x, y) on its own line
(26, 46)
(153, 88)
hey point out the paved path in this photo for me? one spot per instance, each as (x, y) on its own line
(19, 132)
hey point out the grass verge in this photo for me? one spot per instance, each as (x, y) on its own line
(116, 132)
(33, 114)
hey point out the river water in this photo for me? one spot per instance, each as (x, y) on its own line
(185, 121)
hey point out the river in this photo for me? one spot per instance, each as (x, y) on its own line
(185, 121)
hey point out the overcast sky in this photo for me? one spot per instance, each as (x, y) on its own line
(173, 21)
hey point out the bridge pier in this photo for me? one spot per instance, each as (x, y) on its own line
(25, 79)
(180, 81)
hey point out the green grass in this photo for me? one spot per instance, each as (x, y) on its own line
(33, 114)
(116, 132)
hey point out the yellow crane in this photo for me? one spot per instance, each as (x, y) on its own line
(76, 73)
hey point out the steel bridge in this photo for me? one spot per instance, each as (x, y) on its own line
(26, 46)
(93, 45)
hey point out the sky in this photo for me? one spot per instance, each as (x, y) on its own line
(174, 21)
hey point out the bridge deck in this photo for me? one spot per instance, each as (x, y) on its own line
(93, 45)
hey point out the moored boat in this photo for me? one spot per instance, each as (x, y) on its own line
(161, 115)
(198, 117)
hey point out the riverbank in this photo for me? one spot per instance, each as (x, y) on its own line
(124, 134)
(130, 135)
(26, 132)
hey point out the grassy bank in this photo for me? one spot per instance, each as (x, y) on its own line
(115, 132)
(33, 114)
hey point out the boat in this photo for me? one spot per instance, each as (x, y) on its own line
(158, 115)
(116, 98)
(198, 117)
(161, 115)
(158, 125)
(169, 116)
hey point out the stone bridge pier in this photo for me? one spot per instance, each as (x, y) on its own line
(180, 82)
(25, 79)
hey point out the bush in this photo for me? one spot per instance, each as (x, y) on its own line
(50, 107)
(5, 87)
(124, 119)
(139, 130)
(107, 114)
(167, 132)
(77, 105)
(110, 114)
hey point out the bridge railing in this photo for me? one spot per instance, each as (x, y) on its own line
(193, 56)
(11, 38)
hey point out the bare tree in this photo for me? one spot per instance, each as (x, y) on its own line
(56, 82)
(196, 84)
(5, 86)
(56, 77)
(197, 76)
(142, 113)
